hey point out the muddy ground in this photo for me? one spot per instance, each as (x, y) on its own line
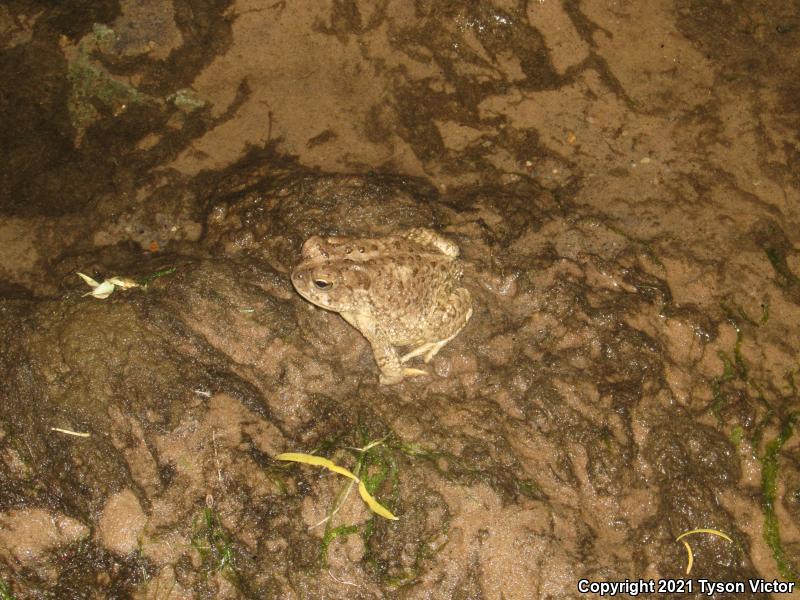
(623, 181)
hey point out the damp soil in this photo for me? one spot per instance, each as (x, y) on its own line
(622, 181)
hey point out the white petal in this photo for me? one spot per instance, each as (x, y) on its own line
(88, 280)
(104, 290)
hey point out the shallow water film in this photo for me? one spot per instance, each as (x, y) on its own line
(621, 184)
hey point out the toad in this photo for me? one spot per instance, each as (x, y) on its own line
(398, 291)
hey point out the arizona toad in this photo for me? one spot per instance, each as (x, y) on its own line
(399, 290)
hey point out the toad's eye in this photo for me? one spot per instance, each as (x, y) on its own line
(322, 284)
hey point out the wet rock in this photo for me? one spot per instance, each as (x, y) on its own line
(121, 523)
(26, 535)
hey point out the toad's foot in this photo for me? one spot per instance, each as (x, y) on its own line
(429, 349)
(422, 349)
(392, 370)
(392, 378)
(451, 317)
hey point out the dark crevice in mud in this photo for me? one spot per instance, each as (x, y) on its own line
(36, 173)
(72, 19)
(600, 66)
(82, 563)
(748, 40)
(771, 238)
(500, 32)
(587, 29)
(14, 291)
(259, 168)
(346, 19)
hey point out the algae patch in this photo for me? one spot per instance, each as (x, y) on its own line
(95, 92)
(92, 88)
(769, 484)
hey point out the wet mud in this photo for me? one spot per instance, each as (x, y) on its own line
(622, 182)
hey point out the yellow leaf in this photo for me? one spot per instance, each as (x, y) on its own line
(689, 553)
(716, 532)
(311, 459)
(373, 504)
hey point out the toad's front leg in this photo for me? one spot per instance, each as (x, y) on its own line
(392, 369)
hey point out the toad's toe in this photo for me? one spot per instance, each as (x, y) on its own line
(393, 378)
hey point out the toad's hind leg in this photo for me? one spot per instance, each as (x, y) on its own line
(447, 321)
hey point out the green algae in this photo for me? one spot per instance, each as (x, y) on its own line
(213, 545)
(342, 531)
(769, 484)
(186, 99)
(737, 436)
(145, 281)
(777, 258)
(735, 368)
(92, 87)
(5, 591)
